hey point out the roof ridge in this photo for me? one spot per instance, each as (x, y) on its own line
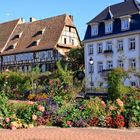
(49, 18)
(10, 21)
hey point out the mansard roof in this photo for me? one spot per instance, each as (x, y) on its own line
(128, 7)
(47, 32)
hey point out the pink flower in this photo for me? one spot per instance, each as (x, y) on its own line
(34, 117)
(13, 127)
(51, 83)
(103, 104)
(41, 108)
(119, 102)
(30, 103)
(112, 108)
(7, 120)
(7, 70)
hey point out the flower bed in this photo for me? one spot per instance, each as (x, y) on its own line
(61, 113)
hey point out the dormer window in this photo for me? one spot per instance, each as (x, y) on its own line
(39, 33)
(125, 22)
(11, 47)
(34, 43)
(94, 30)
(17, 36)
(108, 27)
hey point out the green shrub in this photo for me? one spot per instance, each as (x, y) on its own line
(132, 109)
(14, 83)
(115, 83)
(3, 105)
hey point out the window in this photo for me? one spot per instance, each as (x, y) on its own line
(100, 67)
(120, 64)
(99, 48)
(108, 27)
(94, 30)
(90, 49)
(109, 64)
(65, 41)
(133, 83)
(125, 24)
(120, 45)
(132, 64)
(109, 46)
(49, 54)
(72, 41)
(69, 29)
(91, 70)
(132, 44)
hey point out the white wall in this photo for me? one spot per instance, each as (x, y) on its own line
(69, 35)
(126, 54)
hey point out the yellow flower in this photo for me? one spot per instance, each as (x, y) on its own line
(34, 117)
(30, 126)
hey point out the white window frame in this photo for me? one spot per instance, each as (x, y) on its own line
(109, 46)
(99, 48)
(132, 43)
(90, 49)
(125, 24)
(108, 27)
(120, 63)
(132, 64)
(94, 30)
(100, 66)
(119, 45)
(109, 64)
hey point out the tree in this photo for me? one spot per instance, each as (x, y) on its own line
(76, 58)
(115, 82)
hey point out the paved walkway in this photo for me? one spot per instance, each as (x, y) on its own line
(42, 133)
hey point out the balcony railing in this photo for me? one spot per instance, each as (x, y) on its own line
(108, 51)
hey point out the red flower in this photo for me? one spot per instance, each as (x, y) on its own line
(119, 121)
(94, 121)
(69, 123)
(109, 121)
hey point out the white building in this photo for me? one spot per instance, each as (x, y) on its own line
(112, 40)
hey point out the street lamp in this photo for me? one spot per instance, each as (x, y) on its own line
(91, 70)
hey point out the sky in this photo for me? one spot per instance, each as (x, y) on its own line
(82, 10)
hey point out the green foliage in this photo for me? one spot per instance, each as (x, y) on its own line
(132, 109)
(13, 83)
(115, 83)
(76, 58)
(25, 114)
(65, 75)
(3, 105)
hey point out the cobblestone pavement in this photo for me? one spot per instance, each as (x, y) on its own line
(43, 133)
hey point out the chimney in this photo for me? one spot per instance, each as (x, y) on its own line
(32, 19)
(71, 17)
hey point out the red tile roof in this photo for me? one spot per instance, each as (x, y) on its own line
(52, 28)
(6, 30)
